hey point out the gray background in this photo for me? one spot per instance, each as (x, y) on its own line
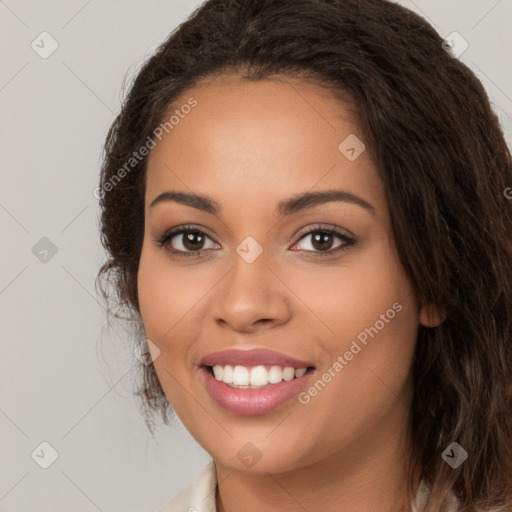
(56, 383)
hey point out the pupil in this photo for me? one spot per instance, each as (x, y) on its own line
(189, 240)
(320, 239)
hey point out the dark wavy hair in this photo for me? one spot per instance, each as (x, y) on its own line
(438, 147)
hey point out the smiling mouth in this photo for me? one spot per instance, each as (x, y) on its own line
(255, 377)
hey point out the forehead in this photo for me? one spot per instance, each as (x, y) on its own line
(268, 138)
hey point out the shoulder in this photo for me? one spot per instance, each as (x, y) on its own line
(198, 495)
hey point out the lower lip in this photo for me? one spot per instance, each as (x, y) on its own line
(250, 402)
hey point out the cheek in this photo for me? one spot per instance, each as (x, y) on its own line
(161, 306)
(166, 295)
(366, 309)
(346, 298)
(164, 300)
(171, 298)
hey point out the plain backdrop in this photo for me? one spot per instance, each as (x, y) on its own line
(56, 386)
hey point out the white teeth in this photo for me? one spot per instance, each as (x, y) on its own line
(228, 374)
(240, 376)
(258, 376)
(275, 374)
(218, 371)
(300, 372)
(289, 373)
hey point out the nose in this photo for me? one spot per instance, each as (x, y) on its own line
(250, 298)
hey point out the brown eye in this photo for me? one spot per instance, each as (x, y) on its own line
(323, 241)
(185, 241)
(188, 240)
(192, 240)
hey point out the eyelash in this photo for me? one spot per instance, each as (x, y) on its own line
(170, 234)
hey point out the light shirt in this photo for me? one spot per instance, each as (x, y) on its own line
(199, 495)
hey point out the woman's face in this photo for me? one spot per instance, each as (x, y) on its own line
(339, 303)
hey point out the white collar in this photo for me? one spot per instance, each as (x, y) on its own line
(198, 495)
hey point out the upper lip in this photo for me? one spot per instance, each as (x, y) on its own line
(253, 357)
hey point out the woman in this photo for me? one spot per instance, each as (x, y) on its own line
(304, 205)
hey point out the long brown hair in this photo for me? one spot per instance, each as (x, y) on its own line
(439, 150)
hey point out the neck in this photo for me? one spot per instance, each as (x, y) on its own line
(369, 474)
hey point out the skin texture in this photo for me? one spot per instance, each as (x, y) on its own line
(249, 146)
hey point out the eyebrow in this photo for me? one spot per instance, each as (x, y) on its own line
(294, 204)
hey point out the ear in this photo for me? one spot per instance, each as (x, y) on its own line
(430, 316)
